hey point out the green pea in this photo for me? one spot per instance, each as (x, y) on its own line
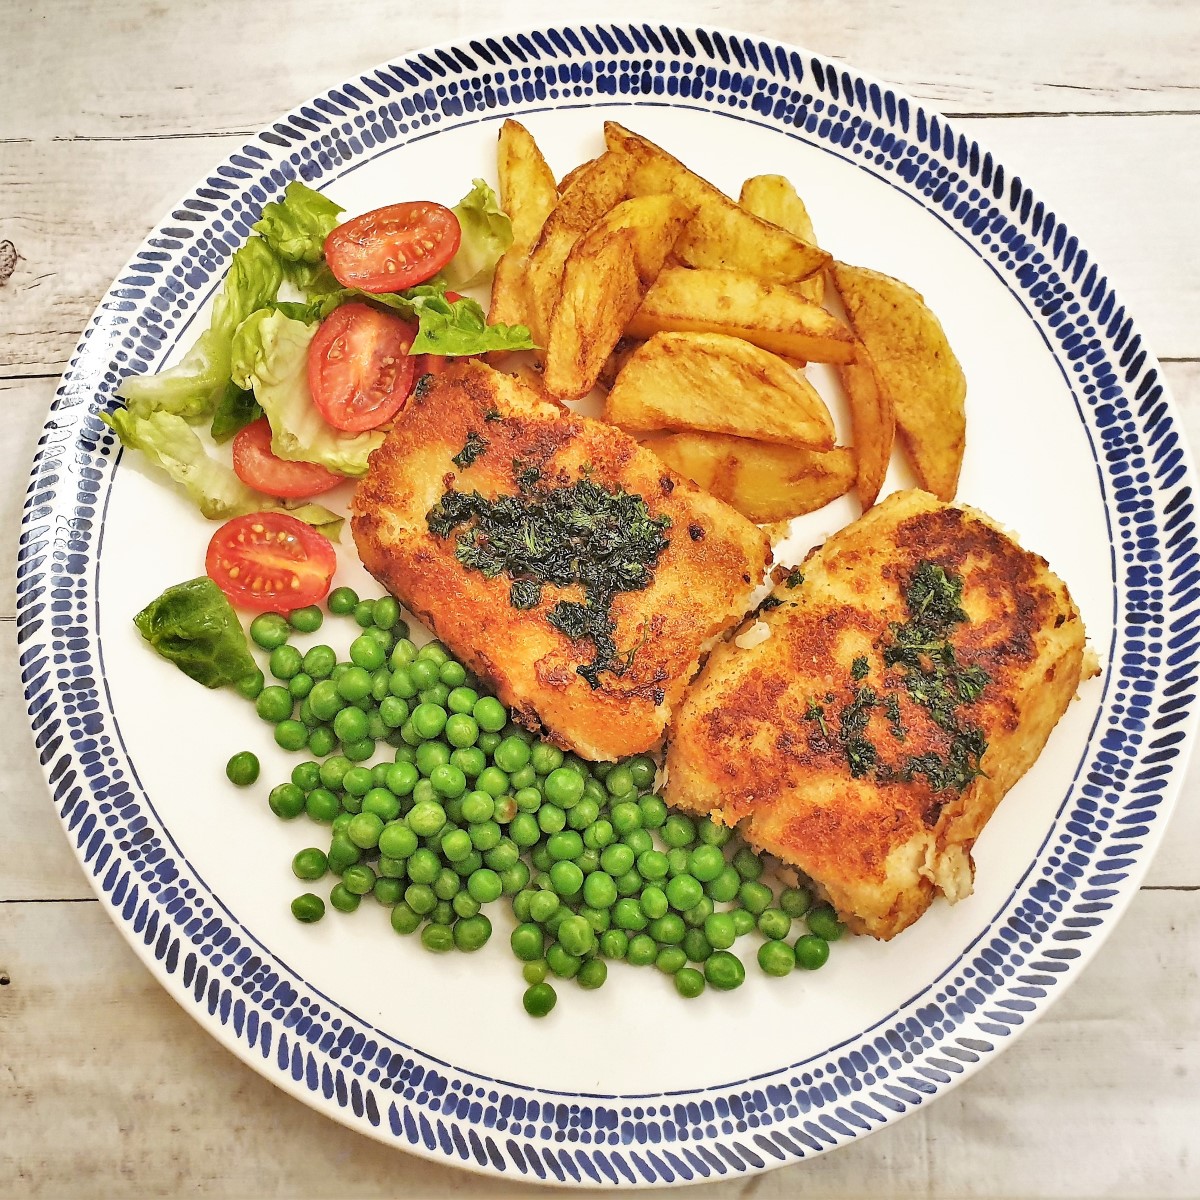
(776, 958)
(306, 776)
(269, 630)
(493, 781)
(342, 851)
(325, 700)
(724, 971)
(627, 914)
(285, 661)
(354, 684)
(561, 962)
(393, 712)
(472, 932)
(448, 780)
(488, 741)
(461, 701)
(350, 725)
(420, 898)
(598, 834)
(447, 885)
(484, 885)
(823, 921)
(405, 919)
(795, 901)
(357, 781)
(545, 757)
(524, 830)
(566, 878)
(274, 704)
(343, 899)
(654, 902)
(755, 896)
(456, 845)
(470, 760)
(614, 943)
(514, 878)
(403, 652)
(626, 817)
(583, 815)
(527, 942)
(437, 937)
(452, 674)
(684, 892)
(668, 930)
(242, 769)
(438, 694)
(310, 864)
(712, 834)
(286, 801)
(402, 685)
(359, 879)
(391, 868)
(599, 890)
(462, 730)
(679, 830)
(564, 787)
(689, 982)
(629, 884)
(576, 936)
(567, 844)
(654, 811)
(364, 830)
(652, 864)
(388, 891)
(811, 952)
(321, 741)
(724, 886)
(678, 858)
(706, 863)
(511, 755)
(743, 921)
(291, 735)
(720, 931)
(774, 924)
(696, 946)
(250, 684)
(435, 652)
(342, 601)
(322, 805)
(539, 999)
(490, 713)
(385, 612)
(522, 777)
(747, 864)
(424, 866)
(670, 960)
(465, 905)
(364, 614)
(426, 818)
(485, 835)
(308, 908)
(640, 841)
(619, 782)
(592, 974)
(502, 856)
(593, 790)
(643, 950)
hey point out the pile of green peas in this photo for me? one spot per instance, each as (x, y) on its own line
(468, 807)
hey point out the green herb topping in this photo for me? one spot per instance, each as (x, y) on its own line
(933, 678)
(474, 446)
(795, 579)
(579, 535)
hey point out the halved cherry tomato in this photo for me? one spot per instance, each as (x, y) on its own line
(393, 248)
(270, 562)
(359, 368)
(256, 464)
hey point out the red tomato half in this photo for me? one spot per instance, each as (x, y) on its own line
(359, 369)
(393, 248)
(256, 465)
(270, 562)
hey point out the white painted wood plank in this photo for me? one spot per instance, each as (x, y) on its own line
(147, 68)
(76, 211)
(107, 1081)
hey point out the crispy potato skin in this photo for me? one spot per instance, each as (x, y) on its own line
(701, 583)
(742, 748)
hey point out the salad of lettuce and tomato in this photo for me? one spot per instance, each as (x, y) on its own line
(316, 341)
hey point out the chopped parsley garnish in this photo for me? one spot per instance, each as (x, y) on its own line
(579, 535)
(769, 603)
(933, 678)
(474, 446)
(795, 579)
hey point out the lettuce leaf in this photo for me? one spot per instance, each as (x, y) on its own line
(171, 444)
(270, 355)
(193, 388)
(296, 226)
(194, 626)
(236, 409)
(486, 234)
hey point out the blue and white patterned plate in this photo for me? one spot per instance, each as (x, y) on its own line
(1072, 442)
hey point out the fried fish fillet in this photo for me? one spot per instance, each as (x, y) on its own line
(865, 726)
(477, 433)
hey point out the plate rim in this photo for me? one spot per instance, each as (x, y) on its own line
(864, 91)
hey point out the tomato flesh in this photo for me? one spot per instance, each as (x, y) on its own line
(270, 562)
(359, 369)
(257, 465)
(393, 248)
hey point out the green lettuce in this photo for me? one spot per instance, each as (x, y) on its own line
(236, 409)
(194, 626)
(296, 226)
(486, 234)
(270, 355)
(171, 444)
(194, 387)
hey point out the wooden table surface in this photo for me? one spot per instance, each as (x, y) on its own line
(109, 112)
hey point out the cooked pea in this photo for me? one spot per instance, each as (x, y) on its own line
(576, 936)
(811, 951)
(483, 884)
(724, 886)
(308, 908)
(629, 884)
(322, 805)
(405, 919)
(250, 684)
(696, 946)
(755, 896)
(502, 856)
(353, 684)
(343, 899)
(545, 757)
(599, 834)
(566, 878)
(364, 830)
(689, 982)
(747, 864)
(274, 704)
(654, 902)
(743, 920)
(285, 661)
(684, 892)
(524, 830)
(357, 781)
(567, 844)
(670, 960)
(471, 933)
(342, 601)
(619, 782)
(350, 724)
(654, 811)
(724, 970)
(514, 878)
(561, 962)
(242, 769)
(652, 864)
(464, 904)
(643, 950)
(388, 891)
(720, 930)
(364, 614)
(679, 830)
(614, 943)
(402, 778)
(420, 898)
(627, 914)
(706, 862)
(539, 999)
(774, 924)
(823, 921)
(592, 974)
(551, 819)
(286, 801)
(358, 879)
(712, 834)
(447, 885)
(795, 901)
(269, 630)
(426, 818)
(321, 741)
(626, 817)
(490, 713)
(310, 864)
(424, 866)
(437, 937)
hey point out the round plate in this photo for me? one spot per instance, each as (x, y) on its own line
(1072, 442)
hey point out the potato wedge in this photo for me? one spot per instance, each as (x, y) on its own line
(605, 277)
(771, 315)
(615, 362)
(873, 420)
(593, 191)
(762, 481)
(722, 233)
(527, 194)
(718, 384)
(774, 199)
(915, 367)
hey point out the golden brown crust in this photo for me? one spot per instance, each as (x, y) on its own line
(748, 745)
(701, 581)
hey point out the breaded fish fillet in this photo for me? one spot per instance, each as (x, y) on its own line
(539, 544)
(888, 695)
